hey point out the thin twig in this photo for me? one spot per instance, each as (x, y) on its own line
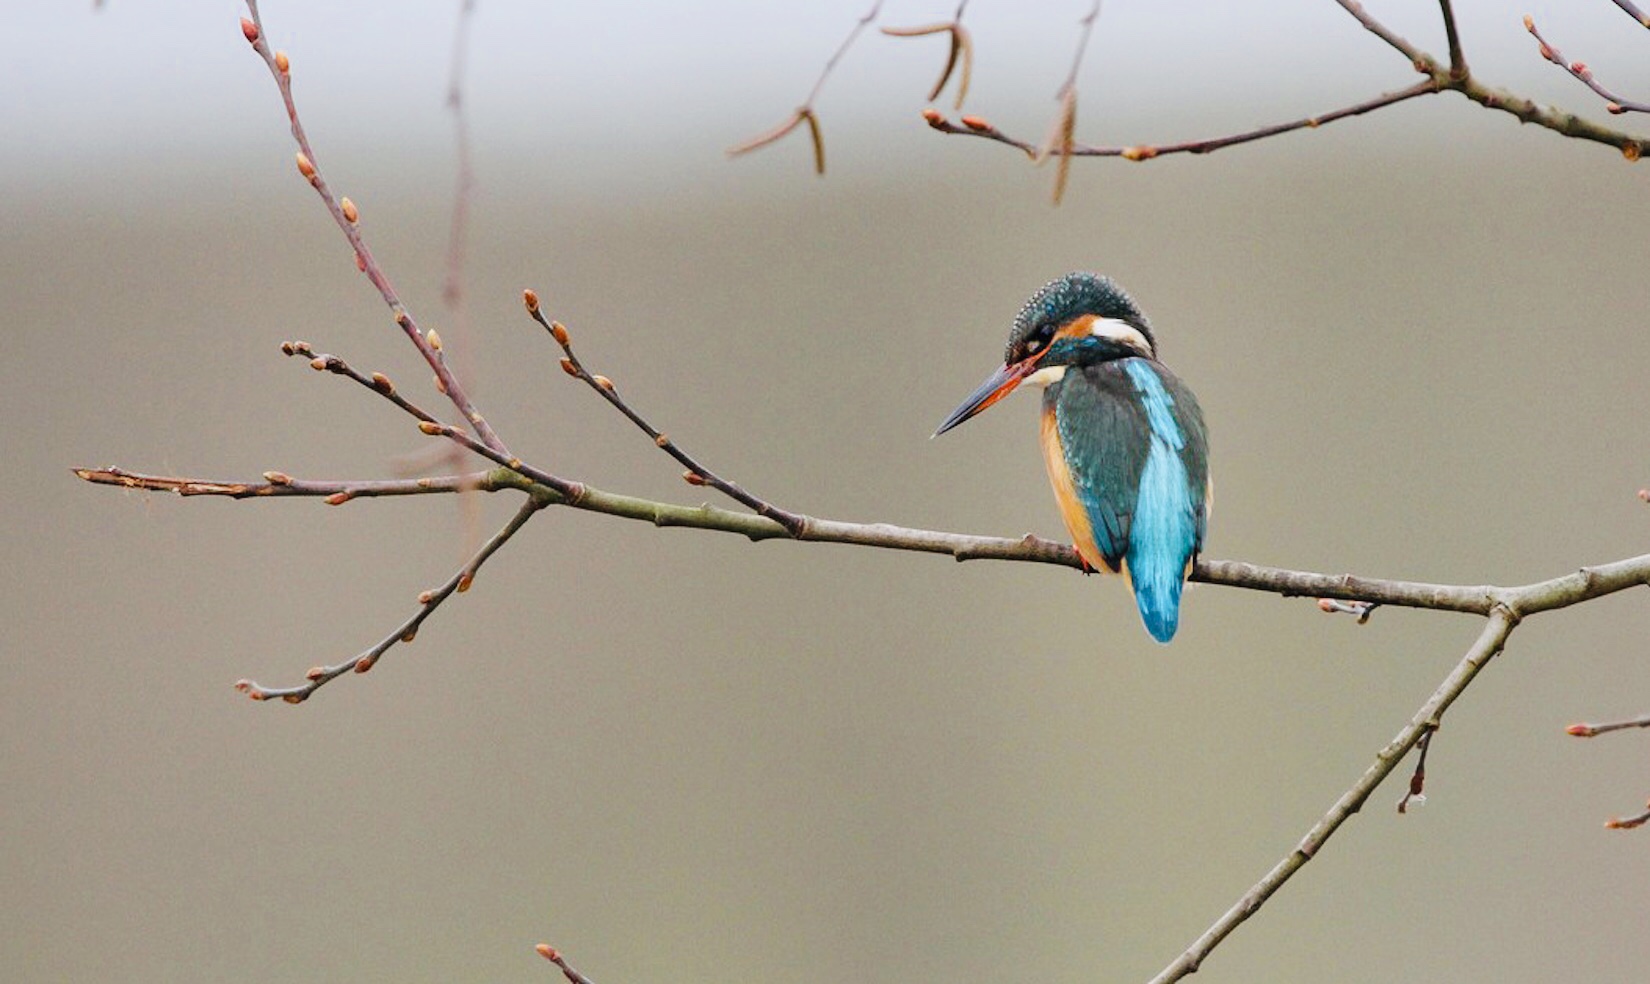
(1416, 794)
(347, 216)
(1457, 59)
(805, 112)
(278, 485)
(1579, 71)
(1634, 12)
(1439, 78)
(1594, 730)
(428, 423)
(696, 474)
(1490, 642)
(1629, 823)
(974, 126)
(428, 602)
(554, 955)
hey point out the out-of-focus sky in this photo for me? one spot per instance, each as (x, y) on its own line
(1419, 338)
(605, 81)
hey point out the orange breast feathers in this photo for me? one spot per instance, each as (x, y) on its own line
(1065, 494)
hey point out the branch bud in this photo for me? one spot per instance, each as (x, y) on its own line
(603, 382)
(249, 29)
(425, 597)
(382, 384)
(693, 478)
(465, 580)
(277, 478)
(434, 338)
(429, 427)
(1631, 151)
(977, 124)
(352, 215)
(1529, 23)
(568, 367)
(440, 386)
(530, 298)
(1139, 153)
(1580, 730)
(933, 116)
(339, 498)
(548, 952)
(315, 673)
(409, 635)
(364, 664)
(317, 363)
(306, 167)
(558, 331)
(663, 440)
(283, 64)
(361, 262)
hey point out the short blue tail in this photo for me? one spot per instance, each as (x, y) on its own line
(1161, 541)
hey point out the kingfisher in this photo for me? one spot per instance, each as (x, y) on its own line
(1123, 438)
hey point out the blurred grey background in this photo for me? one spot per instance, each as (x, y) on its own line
(1419, 338)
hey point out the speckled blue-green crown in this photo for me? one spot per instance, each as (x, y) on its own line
(1072, 296)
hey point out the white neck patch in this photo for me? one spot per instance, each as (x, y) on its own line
(1045, 377)
(1121, 332)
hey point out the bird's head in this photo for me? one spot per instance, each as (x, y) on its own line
(1079, 319)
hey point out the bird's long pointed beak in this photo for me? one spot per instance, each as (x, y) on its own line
(998, 385)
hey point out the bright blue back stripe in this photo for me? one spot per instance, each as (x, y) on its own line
(1165, 525)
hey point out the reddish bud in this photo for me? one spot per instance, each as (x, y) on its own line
(558, 331)
(382, 384)
(315, 673)
(1139, 153)
(977, 124)
(429, 427)
(1529, 23)
(352, 214)
(434, 338)
(364, 664)
(361, 262)
(548, 952)
(1580, 730)
(465, 580)
(1326, 605)
(663, 440)
(317, 363)
(440, 384)
(306, 167)
(283, 64)
(249, 29)
(568, 367)
(409, 635)
(1644, 495)
(244, 686)
(277, 478)
(530, 298)
(603, 382)
(294, 698)
(339, 498)
(1631, 152)
(425, 597)
(933, 116)
(403, 319)
(257, 695)
(693, 478)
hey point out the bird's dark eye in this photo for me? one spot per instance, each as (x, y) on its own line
(1039, 338)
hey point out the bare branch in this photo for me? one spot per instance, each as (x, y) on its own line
(1457, 59)
(1594, 730)
(278, 485)
(1490, 642)
(1579, 71)
(1416, 795)
(1634, 12)
(345, 214)
(428, 602)
(553, 955)
(805, 112)
(697, 474)
(974, 126)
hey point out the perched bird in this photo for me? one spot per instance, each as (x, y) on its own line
(1123, 438)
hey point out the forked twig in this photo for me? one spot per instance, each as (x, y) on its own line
(1579, 71)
